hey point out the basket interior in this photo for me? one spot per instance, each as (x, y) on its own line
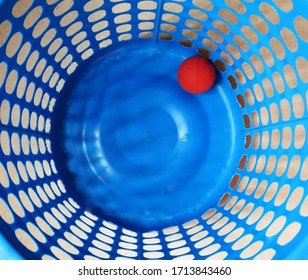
(245, 190)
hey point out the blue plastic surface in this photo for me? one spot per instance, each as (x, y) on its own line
(146, 147)
(103, 155)
(7, 252)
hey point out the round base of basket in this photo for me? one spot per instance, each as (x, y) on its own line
(140, 150)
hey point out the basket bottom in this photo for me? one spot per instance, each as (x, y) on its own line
(142, 152)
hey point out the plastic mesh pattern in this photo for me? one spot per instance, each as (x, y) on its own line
(259, 46)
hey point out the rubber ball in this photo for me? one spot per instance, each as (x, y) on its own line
(196, 75)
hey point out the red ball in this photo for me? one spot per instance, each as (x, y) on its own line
(196, 74)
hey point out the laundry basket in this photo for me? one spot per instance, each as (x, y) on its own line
(104, 156)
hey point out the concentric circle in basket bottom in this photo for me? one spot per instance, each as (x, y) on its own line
(141, 151)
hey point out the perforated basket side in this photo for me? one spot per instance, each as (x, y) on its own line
(259, 49)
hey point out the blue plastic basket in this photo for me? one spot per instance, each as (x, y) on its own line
(104, 156)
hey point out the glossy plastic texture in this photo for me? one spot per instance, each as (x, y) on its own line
(104, 156)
